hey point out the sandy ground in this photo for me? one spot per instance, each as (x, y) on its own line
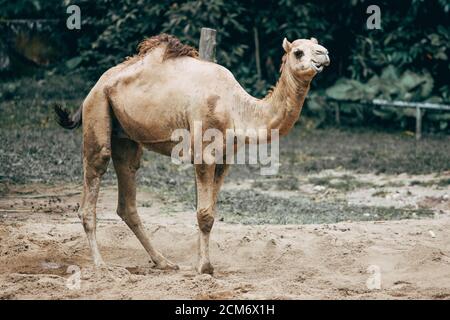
(44, 253)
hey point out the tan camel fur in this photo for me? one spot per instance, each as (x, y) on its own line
(140, 102)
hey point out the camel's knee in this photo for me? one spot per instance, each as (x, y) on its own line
(105, 154)
(205, 218)
(98, 161)
(103, 157)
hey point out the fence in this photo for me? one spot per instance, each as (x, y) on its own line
(398, 104)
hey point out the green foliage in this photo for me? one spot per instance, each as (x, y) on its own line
(411, 47)
(390, 85)
(29, 9)
(409, 86)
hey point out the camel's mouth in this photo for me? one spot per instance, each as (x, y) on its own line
(317, 66)
(322, 61)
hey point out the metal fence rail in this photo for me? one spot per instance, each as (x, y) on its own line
(399, 104)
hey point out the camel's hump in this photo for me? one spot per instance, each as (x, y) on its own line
(174, 47)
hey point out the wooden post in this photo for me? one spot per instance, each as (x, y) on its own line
(418, 123)
(257, 56)
(207, 45)
(337, 113)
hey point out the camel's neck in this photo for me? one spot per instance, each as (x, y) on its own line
(280, 109)
(285, 103)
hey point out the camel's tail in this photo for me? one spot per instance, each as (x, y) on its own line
(67, 121)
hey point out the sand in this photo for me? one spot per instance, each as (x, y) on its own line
(44, 254)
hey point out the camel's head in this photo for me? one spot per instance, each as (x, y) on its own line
(305, 57)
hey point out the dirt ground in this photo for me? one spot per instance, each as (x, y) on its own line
(44, 252)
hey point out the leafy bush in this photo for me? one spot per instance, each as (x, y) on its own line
(412, 44)
(390, 85)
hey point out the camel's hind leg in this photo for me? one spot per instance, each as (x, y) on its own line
(96, 156)
(126, 156)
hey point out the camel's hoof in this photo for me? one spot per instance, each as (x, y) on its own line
(205, 267)
(166, 265)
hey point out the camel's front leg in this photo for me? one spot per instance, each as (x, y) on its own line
(209, 180)
(205, 213)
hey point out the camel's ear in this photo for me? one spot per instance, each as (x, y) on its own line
(314, 40)
(286, 45)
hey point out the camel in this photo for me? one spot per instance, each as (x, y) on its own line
(165, 86)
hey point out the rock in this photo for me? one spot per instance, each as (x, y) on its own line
(319, 188)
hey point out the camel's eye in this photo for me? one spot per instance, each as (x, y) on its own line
(298, 53)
